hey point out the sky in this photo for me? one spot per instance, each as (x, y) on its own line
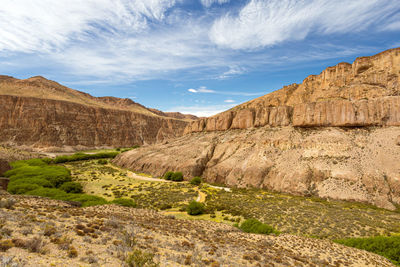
(192, 56)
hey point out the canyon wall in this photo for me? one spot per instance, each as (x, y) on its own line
(336, 136)
(48, 123)
(365, 93)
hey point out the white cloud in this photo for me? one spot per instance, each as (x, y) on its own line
(233, 71)
(202, 111)
(229, 101)
(265, 23)
(208, 3)
(202, 89)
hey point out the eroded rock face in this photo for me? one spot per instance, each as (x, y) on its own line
(353, 164)
(364, 93)
(43, 123)
(336, 135)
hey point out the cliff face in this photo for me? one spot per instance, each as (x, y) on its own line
(69, 119)
(336, 135)
(364, 93)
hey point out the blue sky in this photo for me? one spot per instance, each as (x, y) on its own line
(192, 56)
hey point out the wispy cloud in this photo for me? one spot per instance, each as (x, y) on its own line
(265, 23)
(229, 101)
(208, 3)
(203, 89)
(233, 71)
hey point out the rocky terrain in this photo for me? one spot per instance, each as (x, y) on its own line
(42, 114)
(336, 135)
(41, 232)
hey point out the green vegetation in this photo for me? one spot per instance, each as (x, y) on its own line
(195, 208)
(36, 177)
(72, 187)
(139, 258)
(388, 247)
(257, 227)
(126, 202)
(196, 181)
(83, 156)
(168, 175)
(173, 176)
(102, 161)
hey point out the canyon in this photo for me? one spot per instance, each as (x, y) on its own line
(43, 115)
(336, 136)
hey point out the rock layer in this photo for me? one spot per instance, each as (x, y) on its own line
(336, 135)
(364, 93)
(46, 123)
(4, 166)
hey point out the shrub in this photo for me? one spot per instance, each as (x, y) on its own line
(56, 175)
(196, 181)
(168, 175)
(139, 258)
(257, 227)
(195, 208)
(177, 177)
(72, 187)
(21, 189)
(82, 156)
(102, 161)
(126, 202)
(388, 247)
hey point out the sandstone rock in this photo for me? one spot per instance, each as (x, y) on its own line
(331, 136)
(354, 164)
(365, 93)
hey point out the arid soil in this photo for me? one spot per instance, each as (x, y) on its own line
(43, 232)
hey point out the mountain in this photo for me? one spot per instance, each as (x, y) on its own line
(42, 114)
(336, 135)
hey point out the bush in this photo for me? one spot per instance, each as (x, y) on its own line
(196, 181)
(195, 208)
(139, 258)
(102, 161)
(168, 175)
(82, 156)
(177, 177)
(126, 202)
(388, 247)
(56, 175)
(20, 189)
(72, 187)
(257, 227)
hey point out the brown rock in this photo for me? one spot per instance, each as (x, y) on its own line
(311, 139)
(4, 183)
(364, 93)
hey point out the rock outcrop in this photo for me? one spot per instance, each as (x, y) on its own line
(46, 123)
(334, 136)
(365, 93)
(42, 114)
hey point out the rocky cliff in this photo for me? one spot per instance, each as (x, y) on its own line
(364, 93)
(42, 114)
(336, 135)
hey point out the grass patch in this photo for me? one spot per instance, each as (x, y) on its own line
(389, 247)
(257, 227)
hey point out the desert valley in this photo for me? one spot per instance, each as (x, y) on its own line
(305, 176)
(221, 133)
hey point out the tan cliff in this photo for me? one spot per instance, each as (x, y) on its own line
(42, 114)
(336, 135)
(364, 93)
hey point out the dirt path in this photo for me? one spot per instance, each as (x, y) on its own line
(201, 197)
(144, 178)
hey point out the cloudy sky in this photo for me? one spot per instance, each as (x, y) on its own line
(193, 56)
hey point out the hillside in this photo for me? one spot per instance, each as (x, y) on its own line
(43, 232)
(42, 114)
(336, 135)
